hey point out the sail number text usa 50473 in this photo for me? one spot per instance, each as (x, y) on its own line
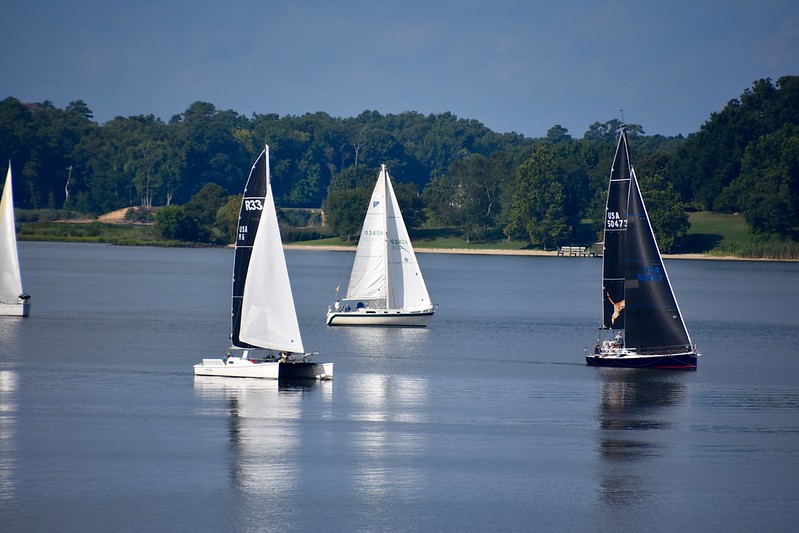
(614, 220)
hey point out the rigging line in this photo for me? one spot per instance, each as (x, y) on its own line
(344, 270)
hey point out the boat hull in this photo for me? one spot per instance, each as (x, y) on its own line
(244, 368)
(379, 317)
(679, 361)
(17, 309)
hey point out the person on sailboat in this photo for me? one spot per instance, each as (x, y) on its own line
(336, 306)
(619, 340)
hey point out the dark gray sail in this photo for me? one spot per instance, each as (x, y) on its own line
(249, 219)
(653, 321)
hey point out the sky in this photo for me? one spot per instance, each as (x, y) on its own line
(514, 65)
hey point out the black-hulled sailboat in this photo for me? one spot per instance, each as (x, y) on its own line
(265, 333)
(638, 304)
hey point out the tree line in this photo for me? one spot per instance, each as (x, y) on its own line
(448, 171)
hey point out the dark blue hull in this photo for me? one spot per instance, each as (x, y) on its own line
(683, 361)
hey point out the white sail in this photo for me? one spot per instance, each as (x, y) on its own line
(368, 278)
(385, 270)
(268, 317)
(407, 289)
(10, 279)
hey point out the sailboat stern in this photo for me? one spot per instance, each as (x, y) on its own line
(306, 370)
(21, 308)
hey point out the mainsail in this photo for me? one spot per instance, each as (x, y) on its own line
(10, 278)
(263, 313)
(636, 292)
(615, 236)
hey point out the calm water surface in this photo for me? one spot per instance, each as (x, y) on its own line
(488, 420)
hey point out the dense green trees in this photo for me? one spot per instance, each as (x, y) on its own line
(446, 170)
(538, 210)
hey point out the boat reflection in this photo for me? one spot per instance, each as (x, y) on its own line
(388, 411)
(10, 340)
(635, 415)
(264, 421)
(8, 415)
(374, 343)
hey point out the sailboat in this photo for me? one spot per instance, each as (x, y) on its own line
(13, 301)
(638, 303)
(265, 333)
(386, 286)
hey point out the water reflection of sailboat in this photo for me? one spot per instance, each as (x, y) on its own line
(388, 409)
(264, 418)
(633, 411)
(381, 342)
(8, 413)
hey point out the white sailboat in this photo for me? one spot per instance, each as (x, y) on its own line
(265, 333)
(386, 287)
(13, 301)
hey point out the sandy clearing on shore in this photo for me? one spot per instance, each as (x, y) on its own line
(114, 217)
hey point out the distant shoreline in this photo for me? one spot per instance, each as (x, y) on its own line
(540, 253)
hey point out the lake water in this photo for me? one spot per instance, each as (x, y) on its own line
(488, 420)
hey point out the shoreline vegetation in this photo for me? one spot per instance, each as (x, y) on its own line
(712, 236)
(495, 251)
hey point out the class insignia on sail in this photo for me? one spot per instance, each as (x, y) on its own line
(642, 326)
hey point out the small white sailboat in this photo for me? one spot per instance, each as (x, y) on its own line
(13, 301)
(265, 333)
(386, 286)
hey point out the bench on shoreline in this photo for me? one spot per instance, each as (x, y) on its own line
(576, 251)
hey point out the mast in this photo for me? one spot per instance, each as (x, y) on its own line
(387, 243)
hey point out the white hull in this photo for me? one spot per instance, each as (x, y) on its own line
(18, 309)
(238, 367)
(380, 317)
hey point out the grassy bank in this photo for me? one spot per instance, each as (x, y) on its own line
(101, 232)
(710, 230)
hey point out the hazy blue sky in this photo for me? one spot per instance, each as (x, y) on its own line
(514, 65)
